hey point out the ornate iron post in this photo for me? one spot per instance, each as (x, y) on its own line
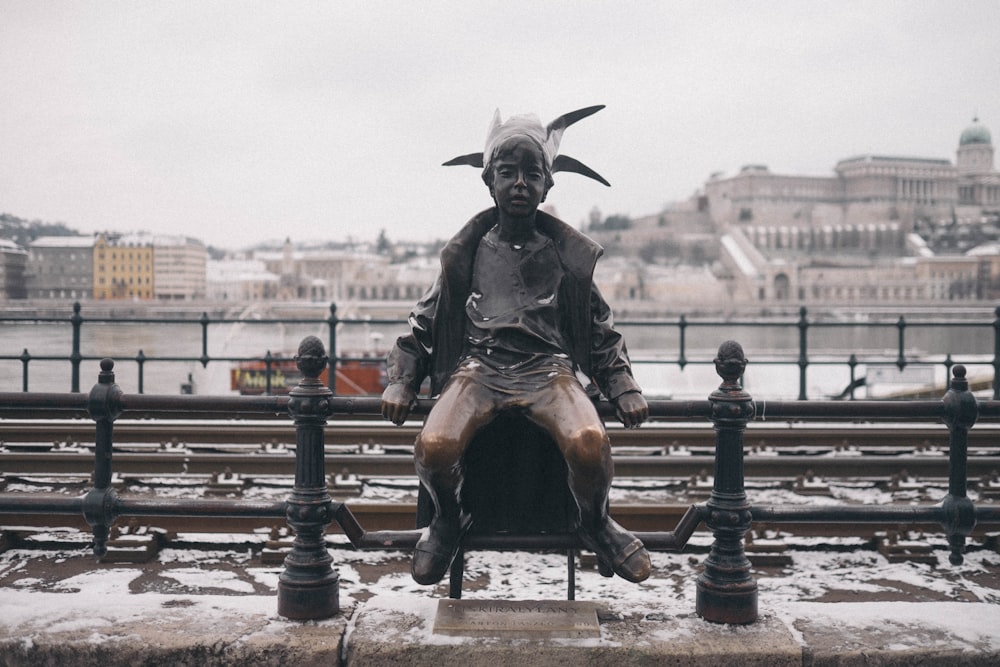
(309, 588)
(901, 328)
(101, 502)
(204, 340)
(25, 358)
(726, 593)
(803, 325)
(76, 320)
(996, 354)
(332, 322)
(960, 413)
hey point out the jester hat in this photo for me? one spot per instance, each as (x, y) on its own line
(547, 138)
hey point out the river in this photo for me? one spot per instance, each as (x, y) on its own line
(772, 351)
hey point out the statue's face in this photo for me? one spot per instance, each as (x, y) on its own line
(519, 178)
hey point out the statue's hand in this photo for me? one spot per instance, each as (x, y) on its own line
(396, 402)
(632, 409)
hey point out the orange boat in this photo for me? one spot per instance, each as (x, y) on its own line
(355, 377)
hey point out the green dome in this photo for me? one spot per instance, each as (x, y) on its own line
(975, 134)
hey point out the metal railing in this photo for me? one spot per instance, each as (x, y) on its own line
(308, 588)
(804, 355)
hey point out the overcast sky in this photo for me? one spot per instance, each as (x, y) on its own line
(242, 121)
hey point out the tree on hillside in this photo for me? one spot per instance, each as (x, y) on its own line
(23, 232)
(382, 245)
(617, 222)
(594, 220)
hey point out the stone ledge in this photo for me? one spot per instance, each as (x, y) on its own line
(391, 630)
(208, 631)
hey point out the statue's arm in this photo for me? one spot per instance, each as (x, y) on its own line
(409, 361)
(611, 367)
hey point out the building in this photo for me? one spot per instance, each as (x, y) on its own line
(327, 275)
(634, 287)
(861, 235)
(320, 275)
(679, 235)
(240, 280)
(178, 268)
(979, 183)
(60, 267)
(116, 266)
(921, 277)
(13, 265)
(864, 190)
(123, 267)
(382, 281)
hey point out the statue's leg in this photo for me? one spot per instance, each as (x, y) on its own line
(568, 414)
(460, 411)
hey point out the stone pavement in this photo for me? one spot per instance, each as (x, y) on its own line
(217, 606)
(396, 630)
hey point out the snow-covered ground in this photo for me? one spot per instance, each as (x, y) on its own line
(45, 590)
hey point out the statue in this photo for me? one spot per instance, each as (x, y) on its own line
(512, 323)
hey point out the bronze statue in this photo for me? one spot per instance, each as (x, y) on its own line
(511, 324)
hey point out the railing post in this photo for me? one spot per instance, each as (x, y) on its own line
(960, 412)
(901, 359)
(726, 593)
(996, 354)
(25, 358)
(204, 340)
(803, 325)
(268, 359)
(852, 363)
(332, 321)
(140, 360)
(682, 325)
(100, 505)
(74, 356)
(309, 587)
(949, 364)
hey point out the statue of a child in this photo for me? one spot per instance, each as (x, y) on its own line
(512, 323)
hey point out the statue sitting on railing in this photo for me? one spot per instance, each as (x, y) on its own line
(512, 322)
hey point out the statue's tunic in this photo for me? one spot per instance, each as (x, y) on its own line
(513, 307)
(447, 325)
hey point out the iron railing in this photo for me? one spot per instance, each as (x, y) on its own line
(804, 356)
(309, 585)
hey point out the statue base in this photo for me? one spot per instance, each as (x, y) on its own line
(517, 619)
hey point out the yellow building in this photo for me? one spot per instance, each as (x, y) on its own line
(123, 267)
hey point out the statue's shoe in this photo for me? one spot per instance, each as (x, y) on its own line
(436, 549)
(618, 552)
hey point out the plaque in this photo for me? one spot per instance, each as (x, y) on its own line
(517, 619)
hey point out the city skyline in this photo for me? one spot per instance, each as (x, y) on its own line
(238, 123)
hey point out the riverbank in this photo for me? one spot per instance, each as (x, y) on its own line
(49, 308)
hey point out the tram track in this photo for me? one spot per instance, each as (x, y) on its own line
(373, 449)
(670, 461)
(768, 466)
(355, 432)
(401, 516)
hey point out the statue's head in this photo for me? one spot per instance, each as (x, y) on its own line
(524, 131)
(518, 176)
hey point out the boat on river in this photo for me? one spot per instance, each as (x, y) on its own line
(355, 376)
